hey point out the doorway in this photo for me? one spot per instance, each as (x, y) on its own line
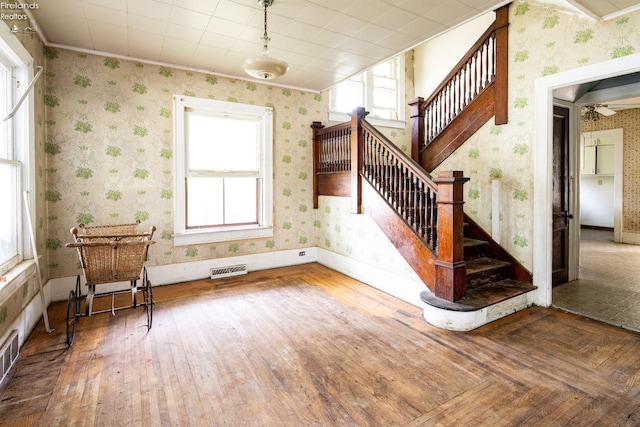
(543, 158)
(606, 287)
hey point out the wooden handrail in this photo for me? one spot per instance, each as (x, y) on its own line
(484, 64)
(460, 65)
(402, 183)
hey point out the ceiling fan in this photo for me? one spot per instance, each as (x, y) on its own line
(591, 113)
(599, 108)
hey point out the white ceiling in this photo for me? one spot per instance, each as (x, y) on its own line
(324, 41)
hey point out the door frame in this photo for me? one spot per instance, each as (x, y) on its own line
(543, 159)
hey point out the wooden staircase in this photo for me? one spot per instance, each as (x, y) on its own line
(474, 91)
(489, 280)
(463, 268)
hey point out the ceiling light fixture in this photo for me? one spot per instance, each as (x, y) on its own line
(591, 115)
(264, 66)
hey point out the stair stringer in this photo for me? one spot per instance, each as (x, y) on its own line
(467, 123)
(412, 248)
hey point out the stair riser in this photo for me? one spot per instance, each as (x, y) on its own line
(474, 252)
(481, 278)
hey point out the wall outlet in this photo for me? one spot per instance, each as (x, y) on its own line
(302, 253)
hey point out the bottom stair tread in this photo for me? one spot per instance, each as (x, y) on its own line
(481, 297)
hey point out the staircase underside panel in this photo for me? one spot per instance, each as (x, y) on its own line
(459, 130)
(410, 246)
(334, 184)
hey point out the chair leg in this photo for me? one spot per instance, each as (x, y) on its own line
(90, 292)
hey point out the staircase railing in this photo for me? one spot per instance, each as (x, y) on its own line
(484, 64)
(431, 207)
(402, 183)
(334, 148)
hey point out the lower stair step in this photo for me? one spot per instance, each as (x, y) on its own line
(481, 297)
(482, 271)
(474, 248)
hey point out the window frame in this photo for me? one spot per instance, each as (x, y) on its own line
(367, 77)
(22, 133)
(264, 115)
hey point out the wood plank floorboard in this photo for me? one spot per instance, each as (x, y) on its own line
(307, 346)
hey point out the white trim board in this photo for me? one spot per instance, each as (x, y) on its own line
(196, 270)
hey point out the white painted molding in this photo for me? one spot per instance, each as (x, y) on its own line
(400, 287)
(631, 238)
(196, 270)
(409, 290)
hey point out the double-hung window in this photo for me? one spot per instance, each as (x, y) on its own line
(223, 171)
(15, 152)
(380, 90)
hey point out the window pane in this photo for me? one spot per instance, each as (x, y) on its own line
(214, 202)
(349, 95)
(8, 225)
(385, 69)
(204, 202)
(240, 200)
(4, 110)
(384, 98)
(222, 143)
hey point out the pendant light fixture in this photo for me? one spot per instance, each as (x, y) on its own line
(264, 66)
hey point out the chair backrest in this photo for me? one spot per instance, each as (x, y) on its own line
(111, 253)
(109, 230)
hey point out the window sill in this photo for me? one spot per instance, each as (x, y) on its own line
(335, 116)
(15, 278)
(208, 236)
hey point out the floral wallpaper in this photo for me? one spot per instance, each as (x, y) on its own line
(629, 122)
(543, 40)
(110, 153)
(104, 146)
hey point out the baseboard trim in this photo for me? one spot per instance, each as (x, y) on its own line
(631, 238)
(404, 288)
(183, 272)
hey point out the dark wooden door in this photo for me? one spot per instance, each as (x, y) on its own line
(561, 191)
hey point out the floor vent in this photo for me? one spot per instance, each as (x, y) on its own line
(8, 354)
(231, 270)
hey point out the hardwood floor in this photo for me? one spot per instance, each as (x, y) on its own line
(306, 346)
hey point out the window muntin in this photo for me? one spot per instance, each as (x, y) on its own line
(223, 171)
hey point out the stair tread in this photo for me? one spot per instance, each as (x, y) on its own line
(474, 242)
(478, 265)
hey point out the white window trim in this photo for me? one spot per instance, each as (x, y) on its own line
(24, 130)
(341, 116)
(184, 237)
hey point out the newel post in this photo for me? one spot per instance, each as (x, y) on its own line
(417, 127)
(316, 126)
(451, 273)
(357, 158)
(502, 66)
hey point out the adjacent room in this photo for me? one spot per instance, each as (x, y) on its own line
(305, 212)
